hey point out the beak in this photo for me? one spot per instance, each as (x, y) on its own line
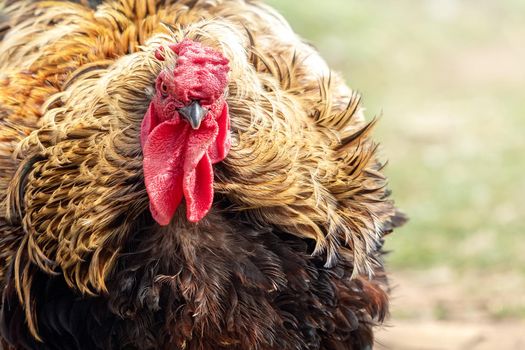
(194, 113)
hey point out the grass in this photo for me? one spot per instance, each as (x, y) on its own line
(506, 313)
(448, 79)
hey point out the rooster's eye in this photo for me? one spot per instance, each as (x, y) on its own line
(163, 89)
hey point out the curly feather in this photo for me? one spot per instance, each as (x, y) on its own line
(290, 254)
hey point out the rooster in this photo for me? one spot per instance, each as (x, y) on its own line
(182, 175)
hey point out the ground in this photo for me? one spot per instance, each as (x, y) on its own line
(437, 310)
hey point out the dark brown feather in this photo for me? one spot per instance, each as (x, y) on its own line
(290, 255)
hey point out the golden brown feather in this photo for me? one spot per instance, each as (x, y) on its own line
(75, 83)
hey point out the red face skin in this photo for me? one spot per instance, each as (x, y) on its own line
(178, 158)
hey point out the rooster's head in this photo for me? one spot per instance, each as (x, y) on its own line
(185, 131)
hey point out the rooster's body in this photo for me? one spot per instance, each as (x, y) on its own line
(95, 254)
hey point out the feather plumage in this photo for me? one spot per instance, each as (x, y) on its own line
(289, 256)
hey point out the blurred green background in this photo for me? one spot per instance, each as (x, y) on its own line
(447, 78)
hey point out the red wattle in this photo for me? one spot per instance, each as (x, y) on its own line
(220, 148)
(163, 174)
(148, 123)
(178, 162)
(198, 189)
